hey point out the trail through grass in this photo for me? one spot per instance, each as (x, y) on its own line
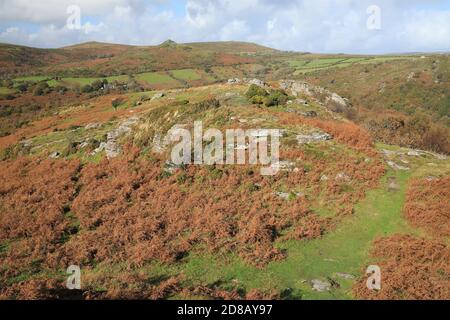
(344, 250)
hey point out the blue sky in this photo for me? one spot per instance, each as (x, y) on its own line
(326, 26)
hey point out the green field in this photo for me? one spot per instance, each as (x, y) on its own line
(154, 78)
(31, 79)
(186, 74)
(304, 65)
(4, 90)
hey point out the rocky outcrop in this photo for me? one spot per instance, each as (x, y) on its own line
(322, 95)
(254, 81)
(111, 146)
(314, 137)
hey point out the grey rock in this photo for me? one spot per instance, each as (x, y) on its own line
(90, 126)
(342, 176)
(345, 275)
(320, 286)
(396, 166)
(257, 82)
(314, 137)
(54, 155)
(158, 95)
(234, 81)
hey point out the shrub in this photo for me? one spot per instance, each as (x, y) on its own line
(99, 84)
(87, 88)
(254, 90)
(275, 98)
(437, 139)
(23, 87)
(41, 89)
(116, 102)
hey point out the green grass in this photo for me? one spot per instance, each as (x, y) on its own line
(4, 90)
(343, 250)
(154, 78)
(186, 74)
(31, 78)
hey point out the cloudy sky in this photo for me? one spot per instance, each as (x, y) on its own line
(325, 26)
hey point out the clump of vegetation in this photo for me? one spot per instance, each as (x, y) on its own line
(41, 88)
(276, 98)
(258, 95)
(115, 103)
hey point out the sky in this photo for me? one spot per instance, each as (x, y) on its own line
(321, 26)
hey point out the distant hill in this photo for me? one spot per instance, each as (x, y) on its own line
(97, 58)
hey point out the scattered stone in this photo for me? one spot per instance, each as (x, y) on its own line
(320, 286)
(54, 155)
(323, 178)
(90, 126)
(257, 82)
(414, 153)
(26, 143)
(396, 166)
(158, 95)
(345, 275)
(309, 114)
(393, 184)
(319, 94)
(234, 81)
(283, 165)
(287, 195)
(342, 176)
(388, 152)
(111, 145)
(337, 99)
(283, 195)
(314, 137)
(410, 76)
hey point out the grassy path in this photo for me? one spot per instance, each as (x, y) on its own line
(344, 250)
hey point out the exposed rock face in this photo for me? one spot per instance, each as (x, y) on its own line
(396, 166)
(90, 126)
(111, 145)
(314, 137)
(158, 95)
(342, 176)
(255, 81)
(234, 81)
(345, 275)
(320, 94)
(286, 195)
(321, 286)
(54, 155)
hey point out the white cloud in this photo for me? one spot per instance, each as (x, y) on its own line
(317, 26)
